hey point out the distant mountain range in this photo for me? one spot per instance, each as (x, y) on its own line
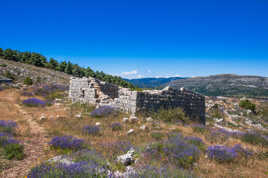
(215, 85)
(152, 82)
(225, 85)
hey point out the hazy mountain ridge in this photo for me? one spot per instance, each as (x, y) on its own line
(152, 82)
(225, 85)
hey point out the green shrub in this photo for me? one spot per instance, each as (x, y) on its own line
(215, 112)
(157, 135)
(9, 75)
(28, 81)
(254, 138)
(246, 104)
(171, 115)
(3, 65)
(199, 128)
(14, 151)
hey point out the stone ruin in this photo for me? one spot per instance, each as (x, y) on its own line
(99, 93)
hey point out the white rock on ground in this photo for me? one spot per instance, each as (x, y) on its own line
(131, 131)
(98, 124)
(61, 159)
(42, 117)
(144, 127)
(149, 119)
(125, 119)
(130, 172)
(217, 120)
(78, 116)
(128, 158)
(133, 119)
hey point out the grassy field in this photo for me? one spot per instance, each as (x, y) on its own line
(61, 119)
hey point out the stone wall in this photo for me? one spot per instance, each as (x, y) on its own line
(109, 89)
(93, 91)
(82, 91)
(192, 104)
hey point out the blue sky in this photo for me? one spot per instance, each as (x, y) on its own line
(143, 38)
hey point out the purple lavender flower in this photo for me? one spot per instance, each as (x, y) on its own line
(66, 142)
(91, 130)
(181, 153)
(87, 163)
(240, 150)
(102, 111)
(7, 126)
(79, 169)
(221, 153)
(6, 139)
(34, 102)
(4, 123)
(25, 93)
(47, 90)
(116, 126)
(195, 141)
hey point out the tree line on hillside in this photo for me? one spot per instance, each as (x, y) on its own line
(39, 60)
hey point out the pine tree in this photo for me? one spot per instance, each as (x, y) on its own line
(68, 68)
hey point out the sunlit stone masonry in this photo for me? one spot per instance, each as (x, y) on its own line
(93, 91)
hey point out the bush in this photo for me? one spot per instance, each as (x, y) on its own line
(28, 81)
(176, 149)
(221, 153)
(102, 111)
(217, 136)
(51, 91)
(75, 170)
(34, 102)
(163, 171)
(255, 138)
(199, 128)
(14, 150)
(116, 126)
(6, 139)
(91, 130)
(9, 75)
(3, 65)
(195, 141)
(157, 135)
(66, 143)
(7, 126)
(117, 147)
(171, 115)
(225, 154)
(87, 164)
(246, 104)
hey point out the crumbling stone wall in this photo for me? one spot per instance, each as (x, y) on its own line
(109, 89)
(90, 90)
(192, 104)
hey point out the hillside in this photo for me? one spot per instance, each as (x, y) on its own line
(19, 71)
(152, 82)
(39, 60)
(225, 85)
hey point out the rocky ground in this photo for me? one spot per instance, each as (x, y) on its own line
(19, 71)
(119, 145)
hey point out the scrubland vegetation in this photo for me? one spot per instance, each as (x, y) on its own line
(86, 141)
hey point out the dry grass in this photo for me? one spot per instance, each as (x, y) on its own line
(61, 120)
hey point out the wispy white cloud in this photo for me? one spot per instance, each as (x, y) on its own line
(167, 76)
(133, 72)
